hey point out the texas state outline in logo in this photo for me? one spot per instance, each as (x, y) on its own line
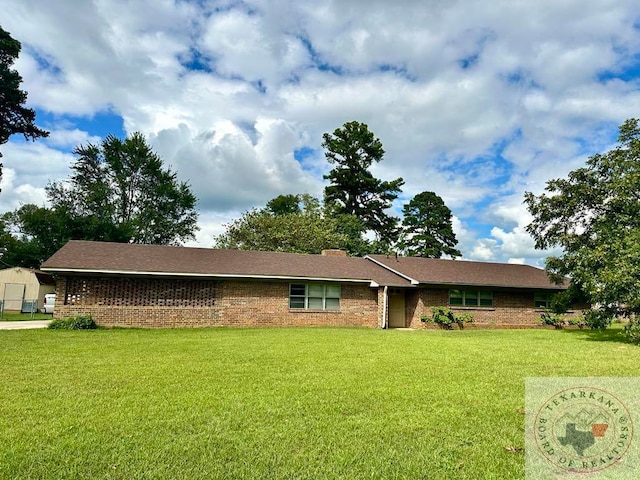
(583, 429)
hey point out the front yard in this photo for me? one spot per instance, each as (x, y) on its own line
(20, 317)
(282, 402)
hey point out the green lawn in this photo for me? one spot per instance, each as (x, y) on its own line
(17, 317)
(282, 402)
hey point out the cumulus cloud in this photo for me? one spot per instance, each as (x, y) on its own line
(247, 45)
(229, 170)
(478, 102)
(15, 195)
(70, 138)
(212, 224)
(34, 163)
(485, 249)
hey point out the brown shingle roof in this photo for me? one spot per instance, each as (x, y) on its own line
(105, 257)
(457, 272)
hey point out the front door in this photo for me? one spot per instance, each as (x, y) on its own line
(396, 308)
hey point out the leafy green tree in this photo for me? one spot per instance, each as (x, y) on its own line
(122, 190)
(305, 231)
(14, 116)
(284, 204)
(19, 251)
(594, 216)
(353, 190)
(427, 230)
(32, 234)
(352, 230)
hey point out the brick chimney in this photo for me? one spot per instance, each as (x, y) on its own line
(334, 252)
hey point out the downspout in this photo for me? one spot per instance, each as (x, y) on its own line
(384, 307)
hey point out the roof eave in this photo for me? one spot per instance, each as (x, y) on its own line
(494, 285)
(206, 275)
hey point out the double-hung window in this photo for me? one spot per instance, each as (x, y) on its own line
(471, 298)
(314, 296)
(542, 300)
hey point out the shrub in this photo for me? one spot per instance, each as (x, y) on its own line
(598, 319)
(578, 321)
(446, 318)
(549, 318)
(74, 323)
(632, 331)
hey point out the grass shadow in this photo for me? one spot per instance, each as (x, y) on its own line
(614, 333)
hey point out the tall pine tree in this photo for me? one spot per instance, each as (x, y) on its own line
(427, 229)
(14, 117)
(353, 190)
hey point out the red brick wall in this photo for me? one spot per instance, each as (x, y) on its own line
(246, 303)
(143, 302)
(512, 309)
(150, 302)
(137, 303)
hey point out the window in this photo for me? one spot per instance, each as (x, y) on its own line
(314, 296)
(471, 298)
(297, 296)
(542, 300)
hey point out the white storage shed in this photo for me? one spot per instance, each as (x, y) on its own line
(23, 289)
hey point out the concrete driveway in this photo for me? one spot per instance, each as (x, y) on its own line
(24, 324)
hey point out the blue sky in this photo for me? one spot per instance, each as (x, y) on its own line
(477, 101)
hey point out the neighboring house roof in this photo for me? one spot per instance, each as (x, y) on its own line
(434, 271)
(134, 259)
(119, 258)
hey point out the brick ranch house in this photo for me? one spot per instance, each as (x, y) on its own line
(162, 286)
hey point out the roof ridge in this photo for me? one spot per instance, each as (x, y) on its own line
(461, 260)
(138, 259)
(118, 258)
(400, 274)
(190, 247)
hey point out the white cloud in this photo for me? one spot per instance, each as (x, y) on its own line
(71, 138)
(229, 170)
(515, 242)
(245, 45)
(35, 163)
(484, 250)
(476, 101)
(212, 225)
(14, 196)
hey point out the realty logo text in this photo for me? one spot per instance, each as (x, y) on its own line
(583, 429)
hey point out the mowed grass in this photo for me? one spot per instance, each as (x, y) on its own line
(18, 317)
(285, 403)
